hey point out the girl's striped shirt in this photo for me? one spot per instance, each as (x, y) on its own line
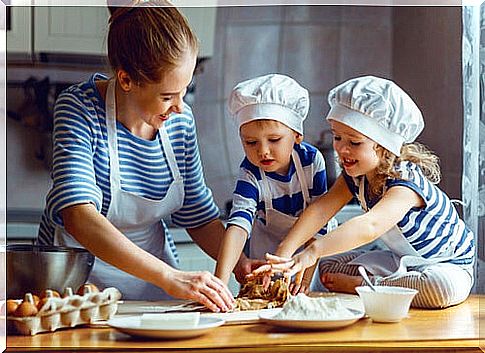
(81, 162)
(435, 230)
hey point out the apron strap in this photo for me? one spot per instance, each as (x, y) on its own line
(114, 163)
(167, 148)
(301, 178)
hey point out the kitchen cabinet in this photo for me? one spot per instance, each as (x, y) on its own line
(83, 29)
(19, 31)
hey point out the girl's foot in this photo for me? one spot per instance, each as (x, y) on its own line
(339, 282)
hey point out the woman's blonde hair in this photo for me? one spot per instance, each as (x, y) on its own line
(148, 38)
(413, 152)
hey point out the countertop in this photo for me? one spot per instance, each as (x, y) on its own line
(455, 329)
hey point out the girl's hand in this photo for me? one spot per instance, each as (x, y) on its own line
(288, 266)
(245, 266)
(302, 287)
(201, 287)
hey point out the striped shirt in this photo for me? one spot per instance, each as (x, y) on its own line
(81, 172)
(435, 230)
(287, 197)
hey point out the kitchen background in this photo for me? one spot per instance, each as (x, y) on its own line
(320, 46)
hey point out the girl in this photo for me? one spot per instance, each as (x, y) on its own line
(374, 123)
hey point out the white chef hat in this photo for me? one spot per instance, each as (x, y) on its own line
(378, 109)
(275, 97)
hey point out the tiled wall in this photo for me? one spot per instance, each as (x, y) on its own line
(319, 46)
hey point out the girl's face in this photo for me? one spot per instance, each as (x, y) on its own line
(154, 102)
(357, 153)
(268, 144)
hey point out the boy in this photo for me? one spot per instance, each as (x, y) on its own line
(280, 175)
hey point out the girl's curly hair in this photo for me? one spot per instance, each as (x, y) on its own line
(414, 152)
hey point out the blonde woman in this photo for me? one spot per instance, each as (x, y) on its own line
(126, 156)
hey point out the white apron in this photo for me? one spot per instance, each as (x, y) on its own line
(138, 218)
(266, 238)
(401, 255)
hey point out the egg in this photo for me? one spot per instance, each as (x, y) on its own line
(27, 307)
(87, 288)
(11, 305)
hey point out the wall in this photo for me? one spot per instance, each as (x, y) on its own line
(427, 63)
(320, 46)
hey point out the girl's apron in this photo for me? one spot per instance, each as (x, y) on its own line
(266, 238)
(393, 263)
(138, 218)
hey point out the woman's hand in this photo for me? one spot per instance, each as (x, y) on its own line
(201, 287)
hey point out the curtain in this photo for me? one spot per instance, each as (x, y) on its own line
(473, 181)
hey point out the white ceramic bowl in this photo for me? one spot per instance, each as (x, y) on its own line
(386, 304)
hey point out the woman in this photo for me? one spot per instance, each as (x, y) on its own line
(126, 156)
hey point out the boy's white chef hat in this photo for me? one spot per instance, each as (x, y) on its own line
(378, 109)
(275, 97)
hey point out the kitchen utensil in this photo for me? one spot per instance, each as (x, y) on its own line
(363, 273)
(386, 303)
(268, 318)
(133, 325)
(34, 268)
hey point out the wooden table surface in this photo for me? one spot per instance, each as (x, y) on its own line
(455, 329)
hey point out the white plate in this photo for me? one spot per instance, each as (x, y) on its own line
(312, 324)
(132, 325)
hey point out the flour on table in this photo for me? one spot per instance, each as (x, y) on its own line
(302, 307)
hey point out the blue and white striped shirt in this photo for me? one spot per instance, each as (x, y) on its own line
(81, 162)
(435, 230)
(286, 194)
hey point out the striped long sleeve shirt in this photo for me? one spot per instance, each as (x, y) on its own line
(81, 162)
(436, 230)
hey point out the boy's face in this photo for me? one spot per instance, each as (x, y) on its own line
(268, 144)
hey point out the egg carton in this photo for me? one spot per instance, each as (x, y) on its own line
(68, 312)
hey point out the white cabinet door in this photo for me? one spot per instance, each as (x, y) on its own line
(19, 35)
(83, 29)
(203, 22)
(71, 29)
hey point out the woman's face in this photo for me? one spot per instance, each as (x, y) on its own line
(154, 102)
(268, 144)
(357, 152)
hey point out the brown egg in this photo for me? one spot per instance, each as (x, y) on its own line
(87, 288)
(50, 293)
(27, 307)
(11, 305)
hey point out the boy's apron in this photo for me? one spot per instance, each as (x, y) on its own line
(393, 263)
(266, 238)
(138, 218)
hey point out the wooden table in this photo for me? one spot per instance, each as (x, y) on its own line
(455, 329)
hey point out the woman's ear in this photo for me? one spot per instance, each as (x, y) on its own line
(124, 80)
(298, 138)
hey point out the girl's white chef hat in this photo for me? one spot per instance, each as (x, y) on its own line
(275, 97)
(378, 109)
